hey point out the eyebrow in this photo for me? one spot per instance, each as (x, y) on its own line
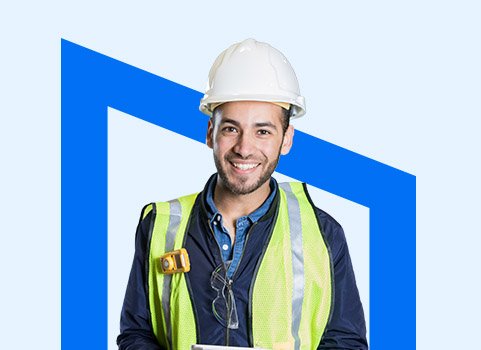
(231, 121)
(259, 124)
(266, 124)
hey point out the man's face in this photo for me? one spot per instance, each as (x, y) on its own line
(247, 139)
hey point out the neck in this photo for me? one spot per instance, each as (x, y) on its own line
(234, 206)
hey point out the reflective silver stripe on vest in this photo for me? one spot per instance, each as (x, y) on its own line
(295, 229)
(174, 222)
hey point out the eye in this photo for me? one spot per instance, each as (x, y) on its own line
(229, 129)
(264, 132)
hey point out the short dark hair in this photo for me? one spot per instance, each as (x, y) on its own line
(286, 116)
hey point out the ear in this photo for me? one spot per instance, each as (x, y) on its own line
(210, 134)
(287, 142)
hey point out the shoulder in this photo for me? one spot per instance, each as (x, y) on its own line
(329, 225)
(144, 227)
(331, 231)
(147, 210)
(177, 206)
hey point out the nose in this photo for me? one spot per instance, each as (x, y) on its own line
(244, 146)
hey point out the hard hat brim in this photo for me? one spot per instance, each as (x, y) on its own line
(298, 104)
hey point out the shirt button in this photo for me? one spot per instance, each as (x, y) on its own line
(218, 218)
(225, 247)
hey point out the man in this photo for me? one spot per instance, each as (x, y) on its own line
(267, 268)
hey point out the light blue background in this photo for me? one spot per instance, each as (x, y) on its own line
(398, 82)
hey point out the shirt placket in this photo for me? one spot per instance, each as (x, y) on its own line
(241, 226)
(222, 237)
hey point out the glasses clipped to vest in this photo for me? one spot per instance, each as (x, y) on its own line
(223, 306)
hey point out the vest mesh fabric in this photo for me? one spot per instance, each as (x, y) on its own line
(272, 295)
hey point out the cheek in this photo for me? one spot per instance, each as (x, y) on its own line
(224, 143)
(220, 146)
(275, 147)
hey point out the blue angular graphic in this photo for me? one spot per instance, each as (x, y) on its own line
(92, 82)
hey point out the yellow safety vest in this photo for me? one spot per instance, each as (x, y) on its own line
(292, 292)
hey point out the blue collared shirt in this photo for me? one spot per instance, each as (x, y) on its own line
(231, 255)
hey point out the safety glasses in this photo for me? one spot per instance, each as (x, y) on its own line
(223, 306)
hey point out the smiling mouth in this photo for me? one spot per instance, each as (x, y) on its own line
(243, 166)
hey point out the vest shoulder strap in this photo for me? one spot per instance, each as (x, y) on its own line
(169, 292)
(297, 261)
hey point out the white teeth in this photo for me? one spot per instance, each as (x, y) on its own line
(244, 166)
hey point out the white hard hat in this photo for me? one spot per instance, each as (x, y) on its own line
(252, 71)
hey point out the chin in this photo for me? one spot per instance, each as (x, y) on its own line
(243, 188)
